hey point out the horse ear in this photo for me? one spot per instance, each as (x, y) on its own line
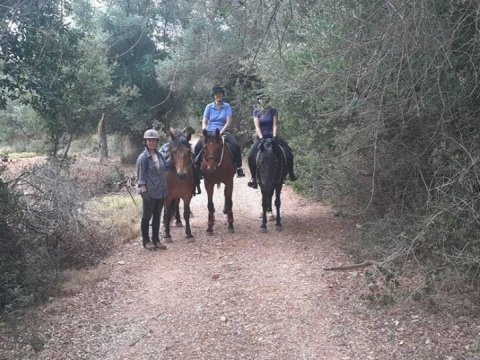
(172, 136)
(205, 132)
(217, 132)
(188, 134)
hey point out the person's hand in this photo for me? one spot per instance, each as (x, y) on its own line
(142, 189)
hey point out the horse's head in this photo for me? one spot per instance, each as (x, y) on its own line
(212, 150)
(269, 164)
(180, 152)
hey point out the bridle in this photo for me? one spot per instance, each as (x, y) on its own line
(187, 149)
(214, 157)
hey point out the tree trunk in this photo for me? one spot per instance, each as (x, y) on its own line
(102, 138)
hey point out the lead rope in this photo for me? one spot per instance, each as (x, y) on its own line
(223, 150)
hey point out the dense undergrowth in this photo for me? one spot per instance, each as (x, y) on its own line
(53, 217)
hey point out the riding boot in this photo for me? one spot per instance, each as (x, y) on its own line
(155, 234)
(289, 159)
(238, 162)
(252, 165)
(144, 229)
(197, 175)
(291, 172)
(253, 171)
(240, 172)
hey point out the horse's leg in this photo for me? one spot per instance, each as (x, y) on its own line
(178, 220)
(278, 191)
(266, 201)
(228, 208)
(270, 216)
(186, 216)
(167, 215)
(211, 208)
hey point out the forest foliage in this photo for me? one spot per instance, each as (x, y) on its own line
(379, 99)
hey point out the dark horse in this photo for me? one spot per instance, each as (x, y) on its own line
(217, 167)
(271, 173)
(179, 181)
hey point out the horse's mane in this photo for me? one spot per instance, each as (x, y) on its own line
(264, 155)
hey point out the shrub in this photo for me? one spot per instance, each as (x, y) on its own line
(45, 228)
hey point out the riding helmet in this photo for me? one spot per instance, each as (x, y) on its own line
(261, 95)
(217, 89)
(151, 134)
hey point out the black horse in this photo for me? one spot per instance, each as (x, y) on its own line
(271, 173)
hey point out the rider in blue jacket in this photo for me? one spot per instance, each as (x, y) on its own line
(218, 115)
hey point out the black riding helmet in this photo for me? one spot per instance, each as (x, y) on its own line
(217, 89)
(262, 95)
(259, 95)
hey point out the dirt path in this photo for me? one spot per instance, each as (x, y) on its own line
(245, 295)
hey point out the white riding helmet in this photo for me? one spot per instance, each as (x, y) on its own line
(151, 134)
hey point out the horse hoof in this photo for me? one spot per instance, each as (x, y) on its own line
(263, 229)
(178, 224)
(168, 240)
(209, 232)
(278, 227)
(231, 230)
(190, 239)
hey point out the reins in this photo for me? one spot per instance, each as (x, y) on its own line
(223, 151)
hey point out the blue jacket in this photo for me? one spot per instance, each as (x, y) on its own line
(216, 118)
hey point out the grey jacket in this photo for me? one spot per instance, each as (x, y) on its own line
(154, 178)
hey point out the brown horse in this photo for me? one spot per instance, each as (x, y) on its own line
(217, 167)
(179, 181)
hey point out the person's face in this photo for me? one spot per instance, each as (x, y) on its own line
(151, 144)
(263, 101)
(218, 97)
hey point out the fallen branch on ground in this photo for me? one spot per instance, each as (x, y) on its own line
(350, 267)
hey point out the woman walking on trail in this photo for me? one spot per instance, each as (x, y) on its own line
(265, 119)
(218, 115)
(152, 186)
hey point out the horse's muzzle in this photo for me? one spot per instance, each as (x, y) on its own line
(181, 176)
